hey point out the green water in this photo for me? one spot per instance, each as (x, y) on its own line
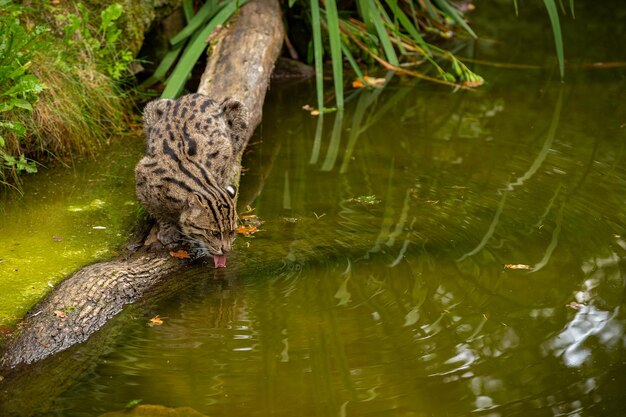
(389, 295)
(66, 218)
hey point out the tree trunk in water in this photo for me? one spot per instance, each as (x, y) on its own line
(240, 66)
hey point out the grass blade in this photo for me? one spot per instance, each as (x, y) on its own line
(335, 141)
(556, 30)
(407, 24)
(177, 80)
(164, 67)
(318, 52)
(188, 10)
(455, 15)
(383, 36)
(571, 7)
(353, 63)
(431, 11)
(206, 12)
(364, 12)
(335, 50)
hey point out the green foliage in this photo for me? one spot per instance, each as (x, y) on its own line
(19, 90)
(391, 33)
(553, 14)
(58, 97)
(556, 30)
(190, 43)
(101, 40)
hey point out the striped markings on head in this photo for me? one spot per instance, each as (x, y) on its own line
(232, 191)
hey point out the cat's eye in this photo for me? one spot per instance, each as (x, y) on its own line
(216, 234)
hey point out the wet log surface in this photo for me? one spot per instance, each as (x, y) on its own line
(240, 66)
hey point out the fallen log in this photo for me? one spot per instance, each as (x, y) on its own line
(240, 66)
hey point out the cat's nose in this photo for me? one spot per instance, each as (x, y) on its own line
(226, 247)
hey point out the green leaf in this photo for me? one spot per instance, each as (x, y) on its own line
(364, 11)
(16, 128)
(407, 24)
(133, 403)
(2, 142)
(205, 13)
(25, 84)
(353, 63)
(22, 104)
(318, 51)
(177, 80)
(188, 10)
(110, 15)
(390, 53)
(556, 30)
(164, 67)
(24, 164)
(9, 160)
(455, 15)
(335, 50)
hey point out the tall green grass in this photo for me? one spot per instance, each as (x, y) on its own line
(390, 33)
(190, 43)
(60, 96)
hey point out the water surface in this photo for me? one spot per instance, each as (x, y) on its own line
(433, 254)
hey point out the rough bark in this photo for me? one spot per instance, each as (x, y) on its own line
(239, 66)
(239, 49)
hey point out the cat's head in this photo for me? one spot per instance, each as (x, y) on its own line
(209, 222)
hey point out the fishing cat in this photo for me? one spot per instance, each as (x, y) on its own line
(193, 145)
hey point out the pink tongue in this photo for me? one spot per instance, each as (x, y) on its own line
(219, 261)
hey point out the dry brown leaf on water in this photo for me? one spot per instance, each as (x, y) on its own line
(60, 314)
(574, 305)
(311, 109)
(249, 217)
(180, 254)
(247, 230)
(57, 238)
(517, 266)
(155, 321)
(369, 82)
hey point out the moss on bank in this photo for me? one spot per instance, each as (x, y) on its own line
(64, 77)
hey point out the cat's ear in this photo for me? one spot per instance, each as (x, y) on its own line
(236, 115)
(231, 190)
(155, 111)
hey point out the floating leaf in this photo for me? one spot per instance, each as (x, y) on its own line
(247, 230)
(155, 321)
(180, 254)
(369, 82)
(366, 200)
(134, 402)
(517, 266)
(249, 217)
